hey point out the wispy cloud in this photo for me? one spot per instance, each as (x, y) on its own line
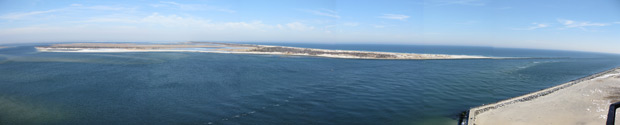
(535, 26)
(176, 21)
(20, 15)
(191, 7)
(580, 24)
(435, 3)
(394, 17)
(324, 12)
(107, 8)
(353, 24)
(77, 6)
(110, 20)
(72, 7)
(299, 26)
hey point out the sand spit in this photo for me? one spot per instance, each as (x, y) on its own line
(130, 46)
(579, 102)
(212, 47)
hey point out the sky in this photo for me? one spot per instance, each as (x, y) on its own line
(581, 25)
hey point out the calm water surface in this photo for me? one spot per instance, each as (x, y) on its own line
(209, 88)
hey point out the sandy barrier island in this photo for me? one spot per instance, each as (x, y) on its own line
(212, 47)
(579, 102)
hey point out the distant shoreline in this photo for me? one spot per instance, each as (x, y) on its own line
(212, 47)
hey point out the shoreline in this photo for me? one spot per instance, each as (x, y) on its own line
(578, 98)
(210, 47)
(257, 53)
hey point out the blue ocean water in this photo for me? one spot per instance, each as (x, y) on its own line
(210, 88)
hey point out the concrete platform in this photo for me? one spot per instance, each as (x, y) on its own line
(580, 102)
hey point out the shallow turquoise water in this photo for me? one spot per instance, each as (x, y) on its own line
(203, 88)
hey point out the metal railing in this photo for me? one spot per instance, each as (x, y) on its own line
(611, 116)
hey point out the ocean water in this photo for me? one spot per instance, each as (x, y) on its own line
(230, 89)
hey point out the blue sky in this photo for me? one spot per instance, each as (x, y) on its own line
(583, 25)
